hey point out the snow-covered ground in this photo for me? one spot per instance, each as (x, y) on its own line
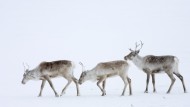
(92, 31)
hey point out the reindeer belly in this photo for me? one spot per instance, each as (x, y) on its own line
(52, 74)
(154, 70)
(159, 70)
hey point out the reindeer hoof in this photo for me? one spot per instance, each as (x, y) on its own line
(145, 91)
(62, 93)
(103, 94)
(56, 95)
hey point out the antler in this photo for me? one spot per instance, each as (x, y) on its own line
(130, 49)
(28, 66)
(82, 66)
(141, 46)
(25, 66)
(136, 46)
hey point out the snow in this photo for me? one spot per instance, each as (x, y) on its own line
(92, 32)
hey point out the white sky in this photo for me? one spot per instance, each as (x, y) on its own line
(57, 29)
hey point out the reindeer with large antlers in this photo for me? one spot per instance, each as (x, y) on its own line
(47, 70)
(104, 70)
(152, 65)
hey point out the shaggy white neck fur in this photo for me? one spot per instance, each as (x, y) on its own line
(35, 74)
(91, 75)
(138, 61)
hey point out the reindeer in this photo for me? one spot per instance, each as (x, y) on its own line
(104, 70)
(47, 70)
(152, 65)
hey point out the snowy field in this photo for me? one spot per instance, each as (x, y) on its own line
(92, 31)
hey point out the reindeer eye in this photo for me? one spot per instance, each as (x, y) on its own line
(132, 54)
(84, 73)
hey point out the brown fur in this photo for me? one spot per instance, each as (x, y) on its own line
(112, 64)
(54, 65)
(159, 59)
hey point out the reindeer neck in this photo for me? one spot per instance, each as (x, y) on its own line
(35, 73)
(91, 74)
(138, 61)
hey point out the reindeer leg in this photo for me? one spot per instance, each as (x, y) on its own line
(125, 82)
(153, 82)
(181, 78)
(147, 82)
(172, 81)
(63, 91)
(104, 85)
(98, 84)
(50, 83)
(129, 81)
(42, 86)
(77, 86)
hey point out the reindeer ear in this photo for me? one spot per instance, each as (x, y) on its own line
(84, 72)
(131, 50)
(137, 52)
(26, 71)
(83, 68)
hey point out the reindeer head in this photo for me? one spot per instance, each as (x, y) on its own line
(134, 53)
(26, 76)
(83, 76)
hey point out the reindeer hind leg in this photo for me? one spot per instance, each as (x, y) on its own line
(77, 86)
(125, 84)
(130, 89)
(181, 78)
(64, 89)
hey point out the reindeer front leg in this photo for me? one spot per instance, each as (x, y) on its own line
(153, 82)
(104, 85)
(98, 84)
(42, 87)
(50, 83)
(147, 82)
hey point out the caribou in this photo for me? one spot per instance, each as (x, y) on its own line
(105, 70)
(47, 70)
(152, 65)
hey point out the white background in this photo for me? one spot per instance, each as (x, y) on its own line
(92, 31)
